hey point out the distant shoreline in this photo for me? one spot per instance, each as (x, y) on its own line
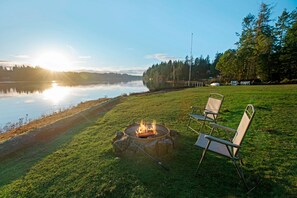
(64, 82)
(38, 74)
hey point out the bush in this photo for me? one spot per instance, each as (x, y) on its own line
(285, 81)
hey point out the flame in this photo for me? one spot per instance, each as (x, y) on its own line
(144, 130)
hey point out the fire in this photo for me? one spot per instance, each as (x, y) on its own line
(145, 130)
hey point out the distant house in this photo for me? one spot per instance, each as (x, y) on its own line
(245, 82)
(234, 82)
(215, 84)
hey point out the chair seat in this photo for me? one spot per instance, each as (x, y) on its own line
(201, 117)
(214, 146)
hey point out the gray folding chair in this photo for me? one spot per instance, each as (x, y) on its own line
(209, 114)
(226, 148)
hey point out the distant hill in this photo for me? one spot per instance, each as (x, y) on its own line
(37, 74)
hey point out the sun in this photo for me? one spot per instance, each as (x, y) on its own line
(54, 61)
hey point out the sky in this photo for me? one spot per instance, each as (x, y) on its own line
(126, 36)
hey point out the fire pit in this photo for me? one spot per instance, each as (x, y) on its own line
(153, 138)
(146, 132)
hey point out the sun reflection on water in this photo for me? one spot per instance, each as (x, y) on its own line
(56, 93)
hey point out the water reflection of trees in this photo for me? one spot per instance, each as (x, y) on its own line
(30, 88)
(23, 88)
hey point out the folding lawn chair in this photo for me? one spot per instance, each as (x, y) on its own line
(209, 114)
(226, 148)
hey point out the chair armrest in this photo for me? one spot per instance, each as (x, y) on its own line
(210, 112)
(216, 126)
(211, 138)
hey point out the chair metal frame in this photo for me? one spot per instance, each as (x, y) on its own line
(226, 148)
(209, 113)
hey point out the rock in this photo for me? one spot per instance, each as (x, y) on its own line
(151, 147)
(165, 146)
(121, 145)
(118, 136)
(174, 134)
(133, 148)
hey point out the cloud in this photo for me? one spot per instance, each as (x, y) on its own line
(160, 57)
(6, 63)
(21, 56)
(136, 72)
(84, 57)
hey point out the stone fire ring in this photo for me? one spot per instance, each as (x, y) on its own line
(160, 144)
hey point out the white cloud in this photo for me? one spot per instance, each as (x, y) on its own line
(136, 72)
(21, 56)
(7, 63)
(160, 57)
(84, 57)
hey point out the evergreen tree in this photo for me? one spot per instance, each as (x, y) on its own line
(289, 56)
(280, 59)
(246, 59)
(264, 43)
(213, 71)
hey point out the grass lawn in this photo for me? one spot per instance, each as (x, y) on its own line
(86, 166)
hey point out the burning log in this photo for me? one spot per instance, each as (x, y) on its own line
(145, 131)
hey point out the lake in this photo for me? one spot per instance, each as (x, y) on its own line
(30, 101)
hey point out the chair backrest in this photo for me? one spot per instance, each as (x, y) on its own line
(214, 104)
(243, 126)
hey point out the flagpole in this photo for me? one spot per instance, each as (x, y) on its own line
(191, 59)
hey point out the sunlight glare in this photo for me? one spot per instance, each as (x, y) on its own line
(55, 94)
(53, 60)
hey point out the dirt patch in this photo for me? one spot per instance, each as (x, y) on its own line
(45, 129)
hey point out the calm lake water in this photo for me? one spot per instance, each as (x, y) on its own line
(19, 101)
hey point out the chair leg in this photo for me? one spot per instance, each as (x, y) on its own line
(202, 126)
(240, 174)
(202, 157)
(188, 125)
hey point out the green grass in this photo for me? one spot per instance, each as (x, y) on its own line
(86, 166)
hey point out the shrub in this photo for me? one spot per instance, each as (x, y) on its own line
(285, 81)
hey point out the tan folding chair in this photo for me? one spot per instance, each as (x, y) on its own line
(226, 148)
(209, 114)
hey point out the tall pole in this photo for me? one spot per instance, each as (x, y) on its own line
(191, 59)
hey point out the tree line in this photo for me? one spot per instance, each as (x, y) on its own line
(166, 73)
(264, 52)
(38, 74)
